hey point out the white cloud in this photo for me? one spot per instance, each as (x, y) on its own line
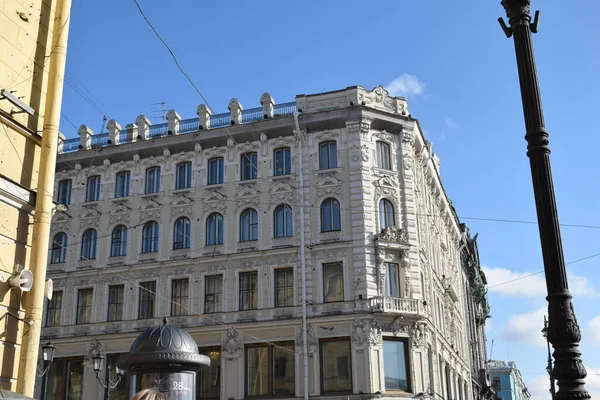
(405, 85)
(532, 285)
(539, 385)
(526, 328)
(449, 123)
(593, 331)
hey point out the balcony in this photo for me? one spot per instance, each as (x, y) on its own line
(397, 305)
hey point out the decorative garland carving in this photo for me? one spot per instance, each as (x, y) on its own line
(366, 332)
(232, 344)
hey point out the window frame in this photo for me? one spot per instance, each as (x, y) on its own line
(200, 392)
(122, 184)
(271, 370)
(330, 162)
(286, 221)
(180, 303)
(87, 309)
(385, 214)
(93, 194)
(323, 343)
(185, 181)
(407, 366)
(288, 286)
(89, 246)
(150, 244)
(336, 264)
(333, 205)
(118, 241)
(220, 171)
(151, 299)
(249, 166)
(115, 302)
(389, 266)
(54, 309)
(152, 186)
(215, 239)
(64, 192)
(249, 228)
(217, 295)
(58, 251)
(384, 155)
(283, 157)
(252, 292)
(182, 234)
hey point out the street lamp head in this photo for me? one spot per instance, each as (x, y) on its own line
(98, 362)
(48, 352)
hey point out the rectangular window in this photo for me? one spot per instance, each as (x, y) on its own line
(336, 365)
(84, 306)
(152, 180)
(147, 300)
(249, 164)
(116, 294)
(284, 287)
(333, 282)
(54, 310)
(283, 162)
(118, 392)
(395, 365)
(65, 380)
(210, 377)
(92, 192)
(328, 155)
(213, 294)
(270, 370)
(64, 192)
(180, 297)
(122, 184)
(393, 280)
(497, 383)
(383, 156)
(215, 171)
(248, 290)
(184, 176)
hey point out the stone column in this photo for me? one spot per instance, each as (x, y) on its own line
(85, 137)
(173, 120)
(232, 364)
(132, 133)
(366, 342)
(203, 117)
(143, 125)
(268, 105)
(114, 132)
(235, 108)
(313, 354)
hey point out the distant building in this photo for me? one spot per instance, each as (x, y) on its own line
(507, 381)
(199, 220)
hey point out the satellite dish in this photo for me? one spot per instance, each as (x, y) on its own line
(48, 289)
(23, 281)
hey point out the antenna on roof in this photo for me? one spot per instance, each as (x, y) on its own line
(104, 118)
(162, 111)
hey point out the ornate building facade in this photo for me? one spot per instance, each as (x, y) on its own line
(199, 220)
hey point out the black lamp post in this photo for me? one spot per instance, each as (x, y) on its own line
(48, 356)
(107, 383)
(563, 330)
(549, 366)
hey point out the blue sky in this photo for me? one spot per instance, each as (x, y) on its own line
(458, 72)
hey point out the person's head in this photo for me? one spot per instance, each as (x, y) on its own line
(150, 394)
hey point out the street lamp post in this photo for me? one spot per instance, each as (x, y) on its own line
(107, 383)
(48, 355)
(563, 330)
(549, 366)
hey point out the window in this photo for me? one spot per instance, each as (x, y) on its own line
(248, 290)
(210, 377)
(393, 281)
(283, 161)
(54, 310)
(395, 365)
(65, 380)
(330, 215)
(122, 184)
(64, 192)
(497, 383)
(181, 233)
(249, 166)
(183, 179)
(118, 392)
(179, 296)
(213, 294)
(283, 221)
(88, 245)
(383, 156)
(92, 192)
(333, 282)
(215, 171)
(386, 214)
(116, 295)
(284, 287)
(336, 365)
(270, 370)
(328, 155)
(248, 225)
(84, 306)
(58, 253)
(147, 299)
(214, 229)
(152, 180)
(150, 237)
(118, 241)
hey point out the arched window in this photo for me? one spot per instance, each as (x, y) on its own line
(150, 237)
(328, 155)
(215, 171)
(181, 233)
(118, 241)
(59, 248)
(282, 161)
(214, 229)
(248, 225)
(383, 156)
(282, 221)
(330, 215)
(183, 179)
(386, 214)
(88, 245)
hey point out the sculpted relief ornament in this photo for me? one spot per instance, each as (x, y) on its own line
(408, 149)
(419, 334)
(366, 332)
(393, 234)
(311, 336)
(233, 344)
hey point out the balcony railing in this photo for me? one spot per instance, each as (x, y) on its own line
(396, 305)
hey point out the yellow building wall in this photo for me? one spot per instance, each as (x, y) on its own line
(25, 46)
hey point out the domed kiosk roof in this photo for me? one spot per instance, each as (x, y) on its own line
(165, 344)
